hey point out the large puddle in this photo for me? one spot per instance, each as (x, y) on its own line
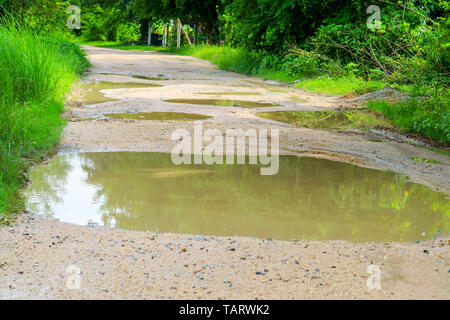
(89, 93)
(173, 116)
(308, 198)
(224, 103)
(329, 119)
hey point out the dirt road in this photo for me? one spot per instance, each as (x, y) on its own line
(38, 256)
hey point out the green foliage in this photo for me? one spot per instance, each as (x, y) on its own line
(128, 32)
(190, 11)
(101, 23)
(37, 69)
(407, 47)
(270, 25)
(45, 15)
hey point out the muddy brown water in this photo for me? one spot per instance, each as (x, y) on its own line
(224, 103)
(174, 116)
(89, 93)
(308, 198)
(328, 119)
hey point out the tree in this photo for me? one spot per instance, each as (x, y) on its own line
(188, 11)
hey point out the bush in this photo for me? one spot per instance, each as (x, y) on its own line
(128, 32)
(101, 24)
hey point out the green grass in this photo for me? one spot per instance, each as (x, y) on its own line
(123, 46)
(37, 70)
(224, 57)
(339, 86)
(416, 159)
(427, 115)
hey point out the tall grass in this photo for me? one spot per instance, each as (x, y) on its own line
(225, 57)
(35, 72)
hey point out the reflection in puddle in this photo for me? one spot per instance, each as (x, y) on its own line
(329, 119)
(224, 103)
(89, 93)
(175, 116)
(309, 198)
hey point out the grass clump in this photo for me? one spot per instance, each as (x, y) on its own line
(424, 160)
(37, 70)
(426, 112)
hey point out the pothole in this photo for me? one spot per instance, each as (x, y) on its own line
(308, 199)
(89, 93)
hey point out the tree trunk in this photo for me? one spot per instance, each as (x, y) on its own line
(164, 43)
(179, 27)
(184, 32)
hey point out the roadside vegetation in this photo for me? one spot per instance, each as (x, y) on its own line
(37, 69)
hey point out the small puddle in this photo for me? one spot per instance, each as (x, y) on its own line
(136, 76)
(328, 119)
(232, 93)
(224, 103)
(89, 93)
(174, 116)
(308, 198)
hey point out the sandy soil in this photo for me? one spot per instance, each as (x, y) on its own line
(35, 252)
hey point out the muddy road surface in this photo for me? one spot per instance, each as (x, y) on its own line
(43, 258)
